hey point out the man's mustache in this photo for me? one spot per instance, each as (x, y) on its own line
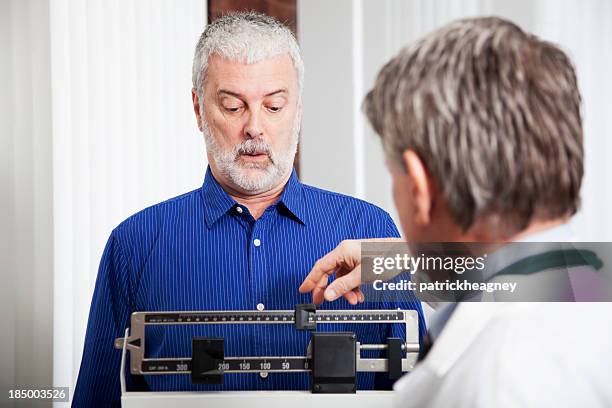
(253, 146)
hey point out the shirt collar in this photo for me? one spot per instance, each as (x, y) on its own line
(292, 198)
(217, 201)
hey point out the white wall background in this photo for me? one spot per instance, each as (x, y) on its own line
(96, 124)
(346, 45)
(26, 176)
(124, 136)
(95, 98)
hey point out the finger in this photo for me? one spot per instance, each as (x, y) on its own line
(343, 284)
(354, 296)
(324, 267)
(360, 295)
(351, 297)
(318, 296)
(317, 293)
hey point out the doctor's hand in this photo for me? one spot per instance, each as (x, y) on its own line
(345, 262)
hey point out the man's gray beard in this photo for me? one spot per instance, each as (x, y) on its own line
(267, 176)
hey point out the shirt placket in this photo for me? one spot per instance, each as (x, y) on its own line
(259, 248)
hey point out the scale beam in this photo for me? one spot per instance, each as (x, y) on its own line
(211, 362)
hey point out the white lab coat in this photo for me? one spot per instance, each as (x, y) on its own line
(516, 355)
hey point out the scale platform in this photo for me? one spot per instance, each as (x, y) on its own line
(256, 399)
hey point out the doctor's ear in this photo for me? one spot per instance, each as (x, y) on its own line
(422, 187)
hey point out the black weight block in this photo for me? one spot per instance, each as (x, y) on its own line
(333, 362)
(206, 354)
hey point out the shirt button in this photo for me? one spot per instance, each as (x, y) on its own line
(260, 307)
(256, 242)
(239, 210)
(263, 374)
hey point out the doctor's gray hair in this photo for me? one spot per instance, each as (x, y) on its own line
(494, 115)
(247, 37)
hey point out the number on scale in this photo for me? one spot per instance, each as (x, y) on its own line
(245, 366)
(285, 365)
(223, 366)
(265, 365)
(181, 367)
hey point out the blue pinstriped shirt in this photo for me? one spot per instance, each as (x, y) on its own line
(203, 251)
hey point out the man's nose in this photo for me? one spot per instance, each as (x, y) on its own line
(254, 125)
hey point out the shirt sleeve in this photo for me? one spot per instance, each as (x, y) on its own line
(98, 381)
(388, 228)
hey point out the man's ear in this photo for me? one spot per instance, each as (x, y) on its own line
(196, 108)
(422, 187)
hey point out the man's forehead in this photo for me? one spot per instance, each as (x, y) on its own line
(275, 75)
(229, 92)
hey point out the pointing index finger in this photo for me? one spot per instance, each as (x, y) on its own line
(324, 266)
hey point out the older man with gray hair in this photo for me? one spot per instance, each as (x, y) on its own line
(481, 126)
(244, 240)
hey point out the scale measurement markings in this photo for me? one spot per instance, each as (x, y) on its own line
(230, 365)
(322, 316)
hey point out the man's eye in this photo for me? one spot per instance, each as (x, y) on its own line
(274, 109)
(233, 109)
